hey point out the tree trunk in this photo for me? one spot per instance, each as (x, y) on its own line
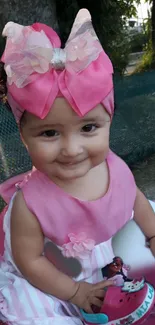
(66, 12)
(153, 25)
(98, 10)
(26, 13)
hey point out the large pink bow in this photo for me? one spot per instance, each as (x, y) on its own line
(38, 69)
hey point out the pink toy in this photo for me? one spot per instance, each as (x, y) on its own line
(124, 308)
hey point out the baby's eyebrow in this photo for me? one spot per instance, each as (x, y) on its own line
(95, 119)
(43, 126)
(89, 119)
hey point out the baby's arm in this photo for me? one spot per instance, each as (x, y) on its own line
(27, 243)
(145, 218)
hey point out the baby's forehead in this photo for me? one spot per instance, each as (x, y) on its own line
(62, 113)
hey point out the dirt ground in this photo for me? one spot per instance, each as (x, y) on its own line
(145, 177)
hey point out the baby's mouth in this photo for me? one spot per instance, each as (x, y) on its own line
(70, 163)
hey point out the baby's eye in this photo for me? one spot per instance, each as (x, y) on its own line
(89, 127)
(50, 133)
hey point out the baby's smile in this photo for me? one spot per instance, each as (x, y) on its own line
(71, 162)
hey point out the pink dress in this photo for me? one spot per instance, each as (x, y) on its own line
(72, 228)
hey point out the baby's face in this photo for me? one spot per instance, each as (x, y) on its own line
(65, 146)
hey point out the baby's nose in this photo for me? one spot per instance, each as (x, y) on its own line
(72, 147)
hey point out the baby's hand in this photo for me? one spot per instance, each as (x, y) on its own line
(89, 295)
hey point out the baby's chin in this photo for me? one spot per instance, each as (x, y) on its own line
(69, 175)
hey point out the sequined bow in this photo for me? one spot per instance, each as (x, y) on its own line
(29, 51)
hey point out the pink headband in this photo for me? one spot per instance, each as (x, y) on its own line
(38, 69)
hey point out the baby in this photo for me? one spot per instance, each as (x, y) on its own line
(79, 193)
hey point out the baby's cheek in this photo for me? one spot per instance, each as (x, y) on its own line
(43, 152)
(103, 139)
(99, 154)
(101, 147)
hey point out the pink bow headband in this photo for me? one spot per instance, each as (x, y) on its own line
(38, 70)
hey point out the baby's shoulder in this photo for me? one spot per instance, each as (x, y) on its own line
(24, 227)
(122, 178)
(116, 161)
(19, 205)
(118, 167)
(21, 216)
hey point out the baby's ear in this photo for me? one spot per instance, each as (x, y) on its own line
(22, 137)
(21, 131)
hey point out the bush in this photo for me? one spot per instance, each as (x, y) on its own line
(148, 59)
(147, 63)
(119, 52)
(138, 41)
